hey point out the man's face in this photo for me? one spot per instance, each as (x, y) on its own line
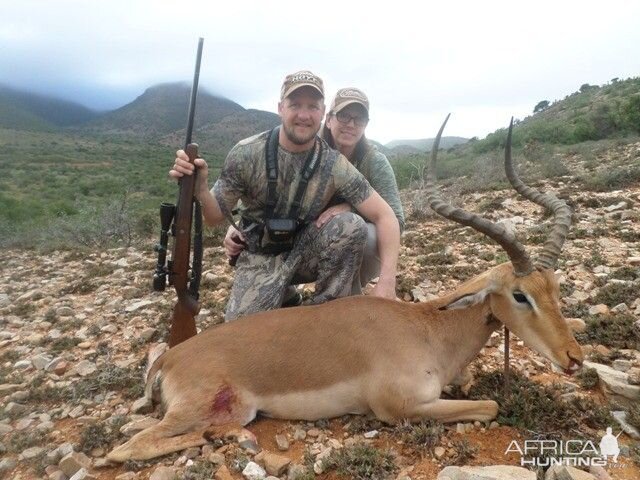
(301, 114)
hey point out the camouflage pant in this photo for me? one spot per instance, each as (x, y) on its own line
(330, 256)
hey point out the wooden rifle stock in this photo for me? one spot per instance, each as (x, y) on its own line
(183, 324)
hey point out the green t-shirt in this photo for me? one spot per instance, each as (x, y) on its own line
(378, 171)
(243, 177)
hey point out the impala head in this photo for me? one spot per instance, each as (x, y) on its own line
(522, 294)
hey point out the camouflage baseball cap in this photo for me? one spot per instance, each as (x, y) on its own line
(347, 96)
(303, 78)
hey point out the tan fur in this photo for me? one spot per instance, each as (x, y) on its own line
(352, 355)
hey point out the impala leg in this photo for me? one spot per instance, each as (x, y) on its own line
(165, 437)
(454, 410)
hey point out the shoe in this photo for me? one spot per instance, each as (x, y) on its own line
(293, 301)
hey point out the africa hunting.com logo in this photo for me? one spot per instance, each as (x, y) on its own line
(575, 453)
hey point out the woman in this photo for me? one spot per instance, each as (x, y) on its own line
(344, 130)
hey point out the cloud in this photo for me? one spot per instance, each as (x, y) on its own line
(481, 60)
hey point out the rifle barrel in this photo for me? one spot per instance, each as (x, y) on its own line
(194, 93)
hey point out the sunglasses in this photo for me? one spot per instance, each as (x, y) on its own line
(345, 118)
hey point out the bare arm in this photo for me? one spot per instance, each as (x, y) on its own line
(211, 211)
(380, 214)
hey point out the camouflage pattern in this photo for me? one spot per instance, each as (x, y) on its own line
(243, 178)
(330, 256)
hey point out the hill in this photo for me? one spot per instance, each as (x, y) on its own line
(22, 110)
(425, 144)
(219, 137)
(162, 109)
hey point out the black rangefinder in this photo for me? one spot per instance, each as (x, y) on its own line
(281, 229)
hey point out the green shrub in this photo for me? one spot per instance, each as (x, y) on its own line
(362, 462)
(614, 331)
(532, 406)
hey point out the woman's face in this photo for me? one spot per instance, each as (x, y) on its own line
(347, 127)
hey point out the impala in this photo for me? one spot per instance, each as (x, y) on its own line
(362, 354)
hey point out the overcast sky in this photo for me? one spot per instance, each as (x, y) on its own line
(481, 60)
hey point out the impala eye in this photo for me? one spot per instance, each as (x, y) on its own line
(520, 297)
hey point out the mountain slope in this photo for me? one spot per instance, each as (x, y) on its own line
(29, 111)
(424, 144)
(162, 109)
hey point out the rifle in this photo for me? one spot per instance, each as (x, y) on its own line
(176, 220)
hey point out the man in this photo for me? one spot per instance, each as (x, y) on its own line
(329, 253)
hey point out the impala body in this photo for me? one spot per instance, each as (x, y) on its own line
(358, 354)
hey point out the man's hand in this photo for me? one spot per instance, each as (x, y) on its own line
(331, 212)
(182, 167)
(233, 242)
(385, 289)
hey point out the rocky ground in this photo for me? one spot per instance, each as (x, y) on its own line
(75, 328)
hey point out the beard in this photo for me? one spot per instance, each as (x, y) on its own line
(291, 135)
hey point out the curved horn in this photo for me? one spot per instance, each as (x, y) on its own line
(507, 240)
(561, 211)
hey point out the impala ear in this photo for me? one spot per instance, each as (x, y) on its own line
(469, 299)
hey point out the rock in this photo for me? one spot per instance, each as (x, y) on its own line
(282, 442)
(617, 206)
(564, 472)
(223, 473)
(85, 367)
(493, 425)
(40, 361)
(600, 309)
(216, 458)
(253, 471)
(371, 434)
(4, 428)
(418, 295)
(621, 418)
(622, 365)
(599, 472)
(633, 260)
(576, 325)
(617, 388)
(460, 428)
(620, 308)
(275, 464)
(138, 305)
(634, 376)
(313, 432)
(7, 464)
(4, 300)
(163, 473)
(148, 333)
(73, 462)
(31, 453)
(439, 452)
(127, 476)
(14, 409)
(64, 311)
(495, 472)
(57, 475)
(299, 434)
(142, 405)
(192, 452)
(22, 365)
(83, 474)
